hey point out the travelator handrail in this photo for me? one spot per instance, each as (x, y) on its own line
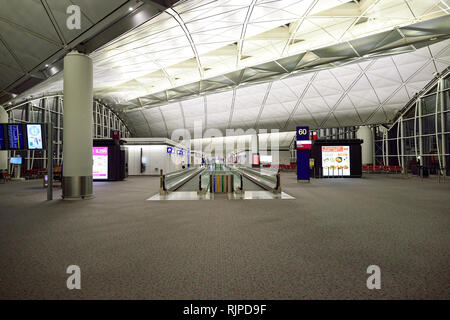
(174, 180)
(267, 179)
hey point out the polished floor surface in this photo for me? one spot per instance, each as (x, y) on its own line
(316, 246)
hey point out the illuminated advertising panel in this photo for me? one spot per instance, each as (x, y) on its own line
(336, 160)
(256, 159)
(34, 135)
(15, 137)
(100, 164)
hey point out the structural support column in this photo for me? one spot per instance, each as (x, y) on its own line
(364, 133)
(77, 133)
(3, 154)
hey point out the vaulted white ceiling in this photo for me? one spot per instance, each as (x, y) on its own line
(366, 92)
(270, 63)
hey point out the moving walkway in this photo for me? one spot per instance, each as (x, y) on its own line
(221, 178)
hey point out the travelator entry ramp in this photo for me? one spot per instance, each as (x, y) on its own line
(207, 182)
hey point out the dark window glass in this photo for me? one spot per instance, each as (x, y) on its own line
(431, 162)
(428, 124)
(17, 114)
(410, 113)
(410, 147)
(408, 128)
(447, 146)
(447, 83)
(392, 145)
(392, 133)
(447, 164)
(378, 148)
(429, 104)
(429, 145)
(447, 100)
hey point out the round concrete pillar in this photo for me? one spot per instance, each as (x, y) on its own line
(364, 133)
(77, 133)
(3, 154)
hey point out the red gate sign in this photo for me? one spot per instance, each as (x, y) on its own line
(304, 144)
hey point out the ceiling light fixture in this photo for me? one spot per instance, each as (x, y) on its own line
(130, 9)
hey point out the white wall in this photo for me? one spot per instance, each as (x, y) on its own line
(284, 157)
(155, 158)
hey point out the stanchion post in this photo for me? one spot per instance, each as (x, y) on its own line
(50, 161)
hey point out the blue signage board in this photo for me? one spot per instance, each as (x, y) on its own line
(169, 150)
(302, 133)
(2, 138)
(302, 155)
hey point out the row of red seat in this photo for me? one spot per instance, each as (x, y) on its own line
(4, 176)
(281, 166)
(33, 173)
(380, 169)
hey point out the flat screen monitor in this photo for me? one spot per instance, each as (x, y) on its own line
(336, 160)
(15, 160)
(16, 137)
(2, 137)
(34, 136)
(100, 164)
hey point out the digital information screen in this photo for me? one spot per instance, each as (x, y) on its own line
(100, 165)
(34, 134)
(15, 136)
(2, 137)
(15, 160)
(336, 160)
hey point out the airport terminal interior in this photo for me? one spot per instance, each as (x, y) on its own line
(251, 149)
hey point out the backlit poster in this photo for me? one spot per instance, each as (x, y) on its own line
(100, 165)
(34, 134)
(336, 160)
(15, 136)
(256, 159)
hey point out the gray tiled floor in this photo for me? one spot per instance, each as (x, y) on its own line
(317, 245)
